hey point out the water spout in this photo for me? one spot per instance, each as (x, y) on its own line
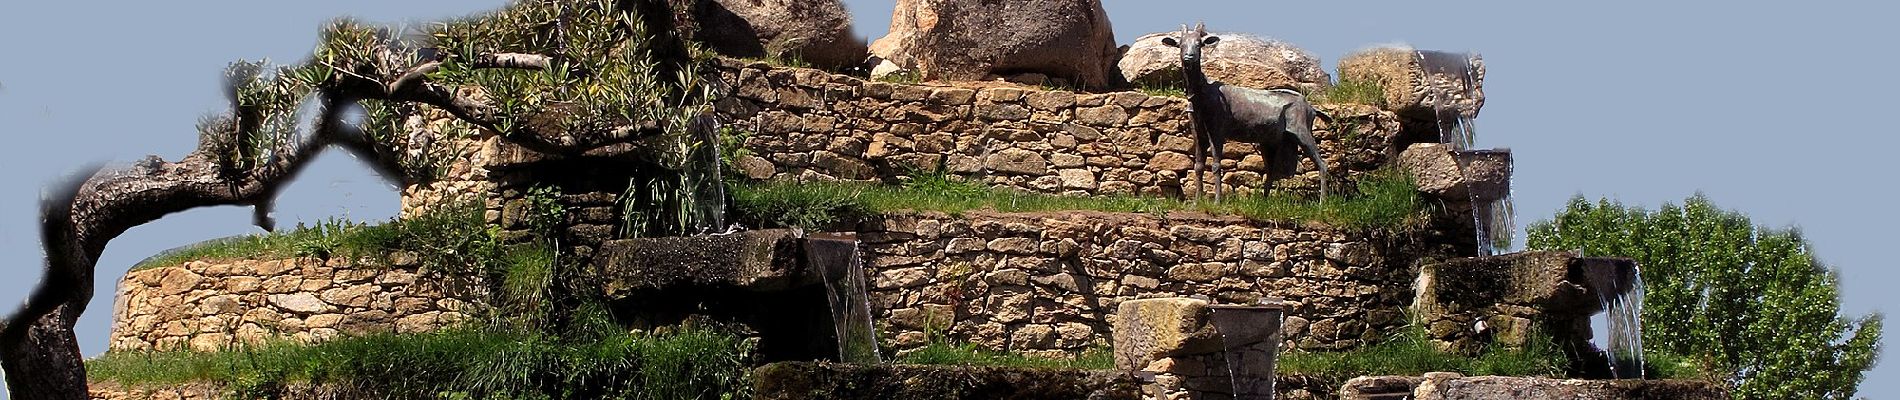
(835, 257)
(704, 179)
(1618, 284)
(1488, 178)
(1450, 78)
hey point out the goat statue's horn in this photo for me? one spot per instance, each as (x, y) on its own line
(1200, 27)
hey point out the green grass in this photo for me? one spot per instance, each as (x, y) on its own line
(465, 363)
(942, 353)
(1383, 199)
(449, 232)
(1410, 353)
(1163, 90)
(1353, 92)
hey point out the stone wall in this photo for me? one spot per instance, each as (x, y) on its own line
(208, 306)
(809, 125)
(1049, 283)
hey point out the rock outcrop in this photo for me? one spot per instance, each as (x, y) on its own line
(1413, 79)
(1238, 59)
(1067, 40)
(814, 31)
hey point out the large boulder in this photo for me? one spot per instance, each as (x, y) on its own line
(1066, 40)
(1413, 80)
(814, 31)
(1238, 59)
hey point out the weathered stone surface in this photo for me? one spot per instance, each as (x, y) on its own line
(298, 302)
(1469, 303)
(1017, 161)
(254, 301)
(1409, 88)
(1238, 59)
(1150, 329)
(1379, 387)
(753, 259)
(1516, 388)
(1456, 176)
(815, 31)
(977, 39)
(803, 380)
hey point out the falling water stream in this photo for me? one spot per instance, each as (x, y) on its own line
(707, 188)
(1450, 78)
(1445, 73)
(1493, 213)
(835, 257)
(1619, 287)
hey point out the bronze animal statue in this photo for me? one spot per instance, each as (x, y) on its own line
(1221, 112)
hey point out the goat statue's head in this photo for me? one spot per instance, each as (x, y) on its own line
(1191, 42)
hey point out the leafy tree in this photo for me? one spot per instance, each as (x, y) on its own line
(1752, 303)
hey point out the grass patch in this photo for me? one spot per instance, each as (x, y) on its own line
(1161, 90)
(943, 353)
(459, 364)
(1383, 199)
(1410, 353)
(451, 235)
(1348, 91)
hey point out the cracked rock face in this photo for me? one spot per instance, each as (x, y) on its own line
(1068, 40)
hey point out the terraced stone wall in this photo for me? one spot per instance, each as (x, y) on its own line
(210, 305)
(805, 124)
(1049, 283)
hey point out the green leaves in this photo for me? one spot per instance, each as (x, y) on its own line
(1751, 302)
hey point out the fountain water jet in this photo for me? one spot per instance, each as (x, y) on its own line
(1618, 284)
(835, 257)
(1488, 173)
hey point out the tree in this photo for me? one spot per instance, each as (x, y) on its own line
(558, 77)
(1752, 303)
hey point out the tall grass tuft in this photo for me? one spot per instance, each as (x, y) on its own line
(1350, 91)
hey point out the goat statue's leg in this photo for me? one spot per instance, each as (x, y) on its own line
(1219, 144)
(1199, 150)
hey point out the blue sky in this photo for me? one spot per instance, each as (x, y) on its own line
(1774, 109)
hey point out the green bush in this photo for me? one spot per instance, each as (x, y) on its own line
(1751, 302)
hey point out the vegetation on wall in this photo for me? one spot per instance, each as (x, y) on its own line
(1751, 302)
(1409, 352)
(1385, 199)
(459, 364)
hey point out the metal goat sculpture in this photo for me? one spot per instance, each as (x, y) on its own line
(1222, 112)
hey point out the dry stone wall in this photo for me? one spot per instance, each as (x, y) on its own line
(205, 306)
(810, 125)
(1049, 283)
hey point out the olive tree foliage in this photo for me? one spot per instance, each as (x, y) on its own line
(561, 77)
(1751, 303)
